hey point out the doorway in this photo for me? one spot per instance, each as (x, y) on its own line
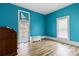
(23, 26)
(63, 27)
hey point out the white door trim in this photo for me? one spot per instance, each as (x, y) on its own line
(67, 23)
(19, 20)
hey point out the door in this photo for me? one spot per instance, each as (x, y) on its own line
(63, 27)
(23, 24)
(23, 31)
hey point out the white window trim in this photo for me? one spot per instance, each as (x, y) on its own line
(68, 25)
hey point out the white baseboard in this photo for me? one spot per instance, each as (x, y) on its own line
(64, 41)
(37, 38)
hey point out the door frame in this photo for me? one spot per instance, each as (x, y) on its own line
(19, 20)
(68, 24)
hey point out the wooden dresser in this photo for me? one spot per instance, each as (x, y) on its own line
(8, 42)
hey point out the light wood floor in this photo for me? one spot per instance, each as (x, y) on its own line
(47, 48)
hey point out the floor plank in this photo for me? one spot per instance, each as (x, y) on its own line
(47, 48)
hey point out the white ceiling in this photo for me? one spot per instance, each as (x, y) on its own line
(43, 8)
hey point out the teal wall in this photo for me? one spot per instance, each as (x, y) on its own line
(73, 12)
(9, 17)
(41, 25)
